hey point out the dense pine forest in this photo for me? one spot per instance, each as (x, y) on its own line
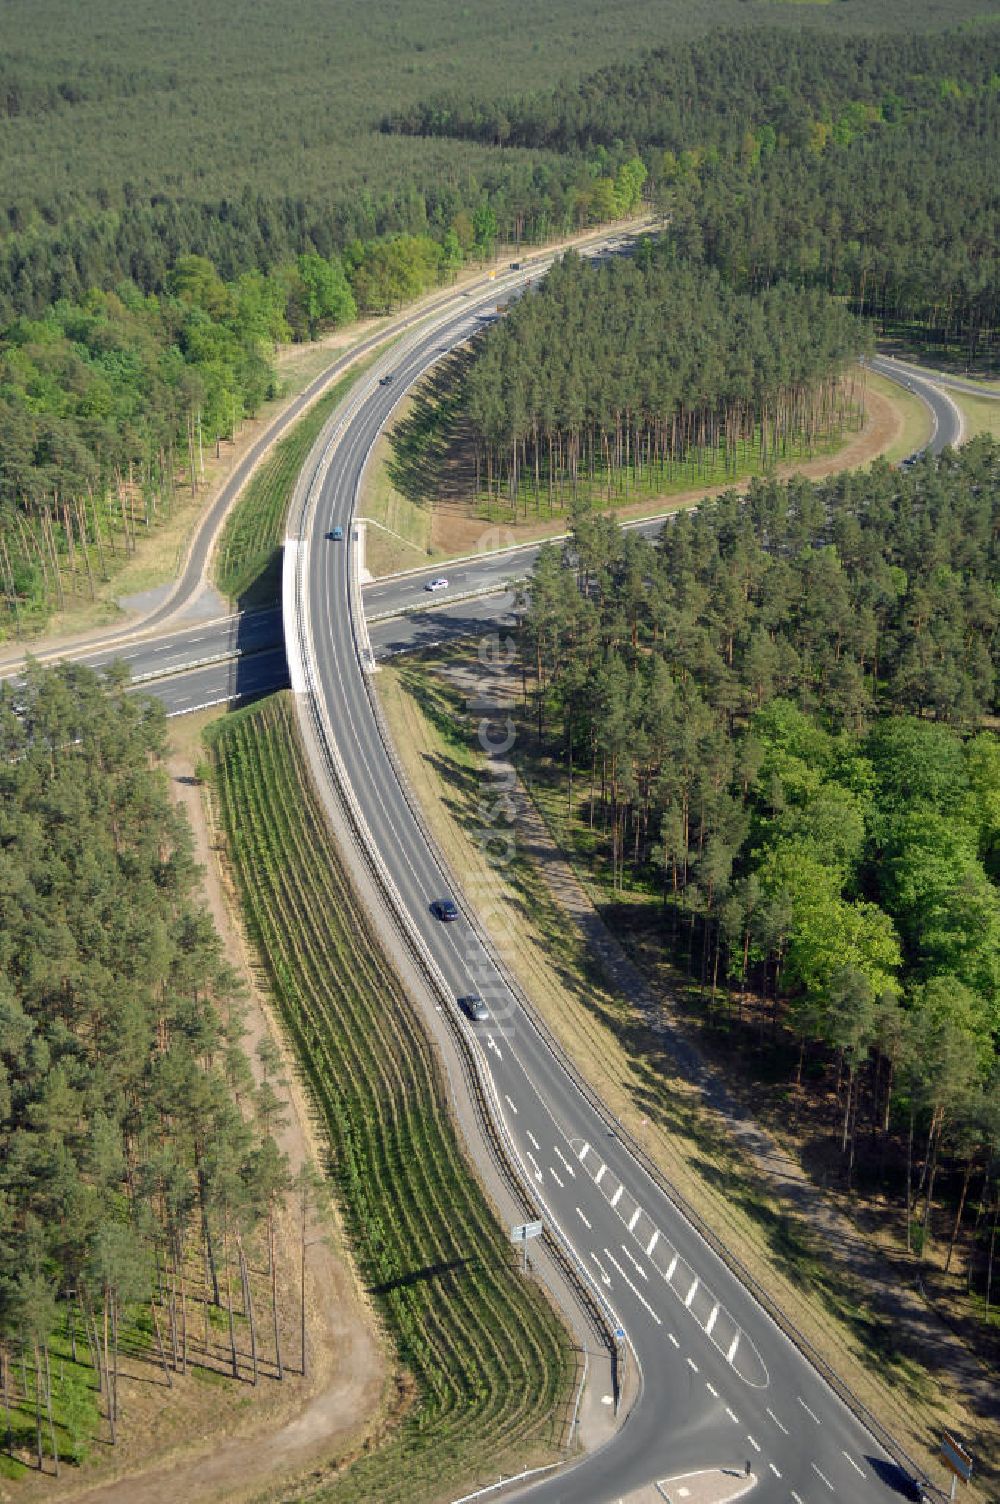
(863, 165)
(772, 718)
(138, 1175)
(615, 375)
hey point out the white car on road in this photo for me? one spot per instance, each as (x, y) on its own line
(441, 584)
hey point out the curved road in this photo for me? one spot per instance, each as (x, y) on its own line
(721, 1384)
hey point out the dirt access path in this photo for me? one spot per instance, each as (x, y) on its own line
(227, 1442)
(626, 1039)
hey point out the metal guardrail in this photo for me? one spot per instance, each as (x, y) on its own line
(636, 1152)
(491, 1117)
(597, 1311)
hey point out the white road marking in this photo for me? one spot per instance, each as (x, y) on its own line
(754, 1444)
(634, 1218)
(635, 1290)
(712, 1390)
(635, 1264)
(670, 1272)
(691, 1293)
(600, 1174)
(854, 1464)
(533, 1141)
(584, 1152)
(732, 1348)
(617, 1196)
(555, 1177)
(796, 1497)
(824, 1478)
(583, 1219)
(510, 1104)
(652, 1242)
(673, 1339)
(605, 1276)
(692, 1365)
(492, 1044)
(534, 1162)
(732, 1416)
(774, 1470)
(712, 1320)
(777, 1422)
(806, 1409)
(565, 1162)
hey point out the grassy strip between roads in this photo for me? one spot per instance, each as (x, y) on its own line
(627, 1062)
(248, 561)
(492, 1365)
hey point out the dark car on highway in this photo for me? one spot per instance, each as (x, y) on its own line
(337, 534)
(444, 908)
(474, 1006)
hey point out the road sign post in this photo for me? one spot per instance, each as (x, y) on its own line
(957, 1459)
(522, 1233)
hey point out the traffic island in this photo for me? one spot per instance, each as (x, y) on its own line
(718, 1485)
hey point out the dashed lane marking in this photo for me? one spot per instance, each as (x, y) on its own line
(605, 1276)
(712, 1390)
(733, 1416)
(640, 1271)
(716, 1322)
(692, 1365)
(774, 1470)
(565, 1162)
(555, 1177)
(753, 1443)
(532, 1140)
(673, 1339)
(633, 1287)
(583, 1219)
(854, 1464)
(823, 1477)
(510, 1104)
(777, 1422)
(534, 1163)
(812, 1415)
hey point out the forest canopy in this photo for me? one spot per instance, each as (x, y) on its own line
(865, 165)
(772, 717)
(132, 1136)
(607, 370)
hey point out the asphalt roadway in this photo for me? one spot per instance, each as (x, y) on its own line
(403, 615)
(721, 1385)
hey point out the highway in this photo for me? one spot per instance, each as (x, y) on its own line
(403, 615)
(946, 428)
(721, 1385)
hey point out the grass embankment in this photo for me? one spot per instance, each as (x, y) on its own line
(624, 1057)
(247, 564)
(981, 414)
(491, 1364)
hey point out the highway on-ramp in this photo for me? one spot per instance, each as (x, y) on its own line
(721, 1383)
